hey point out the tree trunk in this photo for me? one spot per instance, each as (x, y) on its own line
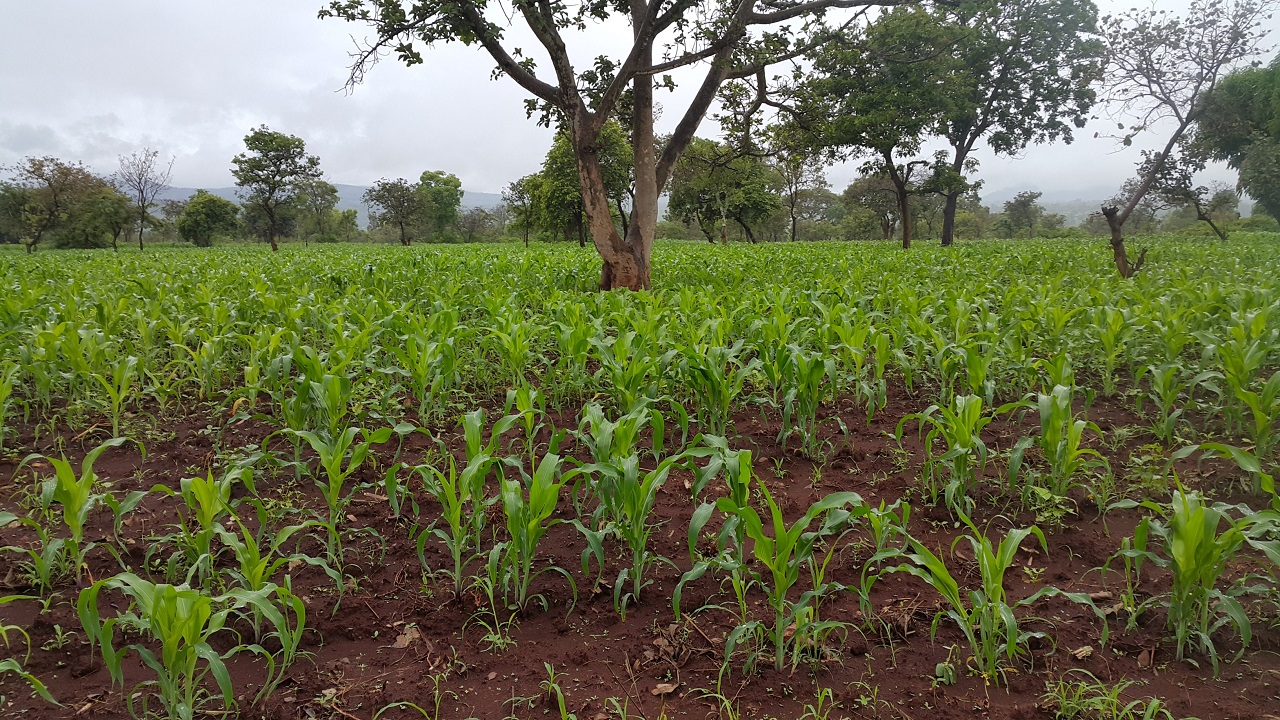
(747, 229)
(1126, 267)
(1212, 225)
(949, 218)
(793, 223)
(141, 224)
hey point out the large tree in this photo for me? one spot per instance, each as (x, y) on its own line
(442, 197)
(1019, 72)
(53, 188)
(715, 184)
(143, 178)
(1161, 70)
(396, 203)
(1241, 124)
(877, 93)
(206, 216)
(271, 173)
(739, 38)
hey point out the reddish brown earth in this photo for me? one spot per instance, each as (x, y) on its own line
(355, 670)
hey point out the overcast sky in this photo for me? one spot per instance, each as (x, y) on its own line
(86, 80)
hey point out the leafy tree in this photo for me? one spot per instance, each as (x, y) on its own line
(442, 196)
(319, 201)
(518, 197)
(206, 216)
(104, 212)
(1018, 72)
(1024, 212)
(877, 93)
(798, 167)
(875, 196)
(556, 193)
(271, 174)
(13, 201)
(1241, 124)
(397, 203)
(734, 39)
(53, 188)
(1161, 70)
(143, 177)
(475, 223)
(714, 184)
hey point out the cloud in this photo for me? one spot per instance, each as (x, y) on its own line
(191, 79)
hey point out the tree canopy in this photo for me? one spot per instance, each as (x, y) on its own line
(272, 173)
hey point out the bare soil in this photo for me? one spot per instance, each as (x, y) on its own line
(398, 635)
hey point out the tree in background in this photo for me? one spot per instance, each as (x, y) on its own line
(206, 216)
(555, 191)
(170, 211)
(713, 184)
(800, 170)
(872, 201)
(103, 212)
(442, 194)
(1162, 69)
(1241, 124)
(319, 202)
(475, 223)
(397, 203)
(53, 188)
(518, 198)
(13, 201)
(1017, 72)
(1024, 212)
(143, 178)
(876, 93)
(271, 174)
(737, 39)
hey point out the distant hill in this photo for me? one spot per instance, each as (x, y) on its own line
(349, 198)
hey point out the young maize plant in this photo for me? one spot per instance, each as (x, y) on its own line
(528, 502)
(181, 621)
(1172, 392)
(74, 495)
(809, 380)
(716, 377)
(985, 616)
(965, 459)
(462, 499)
(119, 389)
(781, 552)
(340, 458)
(1196, 541)
(1061, 441)
(8, 376)
(626, 495)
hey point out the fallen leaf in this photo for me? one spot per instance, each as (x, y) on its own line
(663, 689)
(406, 638)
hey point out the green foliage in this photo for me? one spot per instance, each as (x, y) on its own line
(205, 217)
(1195, 542)
(441, 195)
(713, 185)
(985, 616)
(272, 172)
